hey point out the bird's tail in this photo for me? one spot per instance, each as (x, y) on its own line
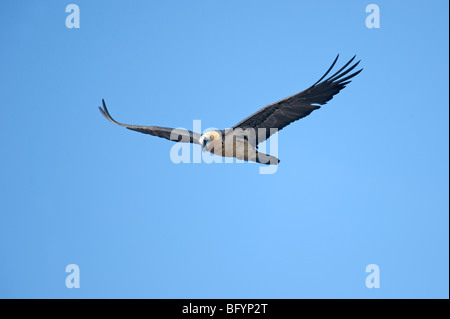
(266, 159)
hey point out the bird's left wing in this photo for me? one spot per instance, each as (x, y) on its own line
(280, 114)
(171, 134)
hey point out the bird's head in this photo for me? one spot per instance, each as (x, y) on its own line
(209, 139)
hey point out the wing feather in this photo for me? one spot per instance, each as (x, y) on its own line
(282, 113)
(176, 135)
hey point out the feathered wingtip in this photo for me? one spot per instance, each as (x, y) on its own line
(337, 77)
(105, 113)
(104, 110)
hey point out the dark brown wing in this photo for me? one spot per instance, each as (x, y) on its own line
(282, 113)
(176, 135)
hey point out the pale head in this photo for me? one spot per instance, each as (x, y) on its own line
(209, 140)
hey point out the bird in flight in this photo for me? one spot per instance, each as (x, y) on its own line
(241, 141)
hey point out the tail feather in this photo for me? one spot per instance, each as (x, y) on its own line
(266, 159)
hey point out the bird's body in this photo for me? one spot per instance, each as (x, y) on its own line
(241, 141)
(234, 145)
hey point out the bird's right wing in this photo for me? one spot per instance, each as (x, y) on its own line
(171, 134)
(278, 115)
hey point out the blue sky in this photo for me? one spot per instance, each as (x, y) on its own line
(364, 180)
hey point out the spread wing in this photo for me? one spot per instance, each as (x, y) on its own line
(282, 113)
(176, 135)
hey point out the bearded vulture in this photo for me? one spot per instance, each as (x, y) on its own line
(241, 141)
